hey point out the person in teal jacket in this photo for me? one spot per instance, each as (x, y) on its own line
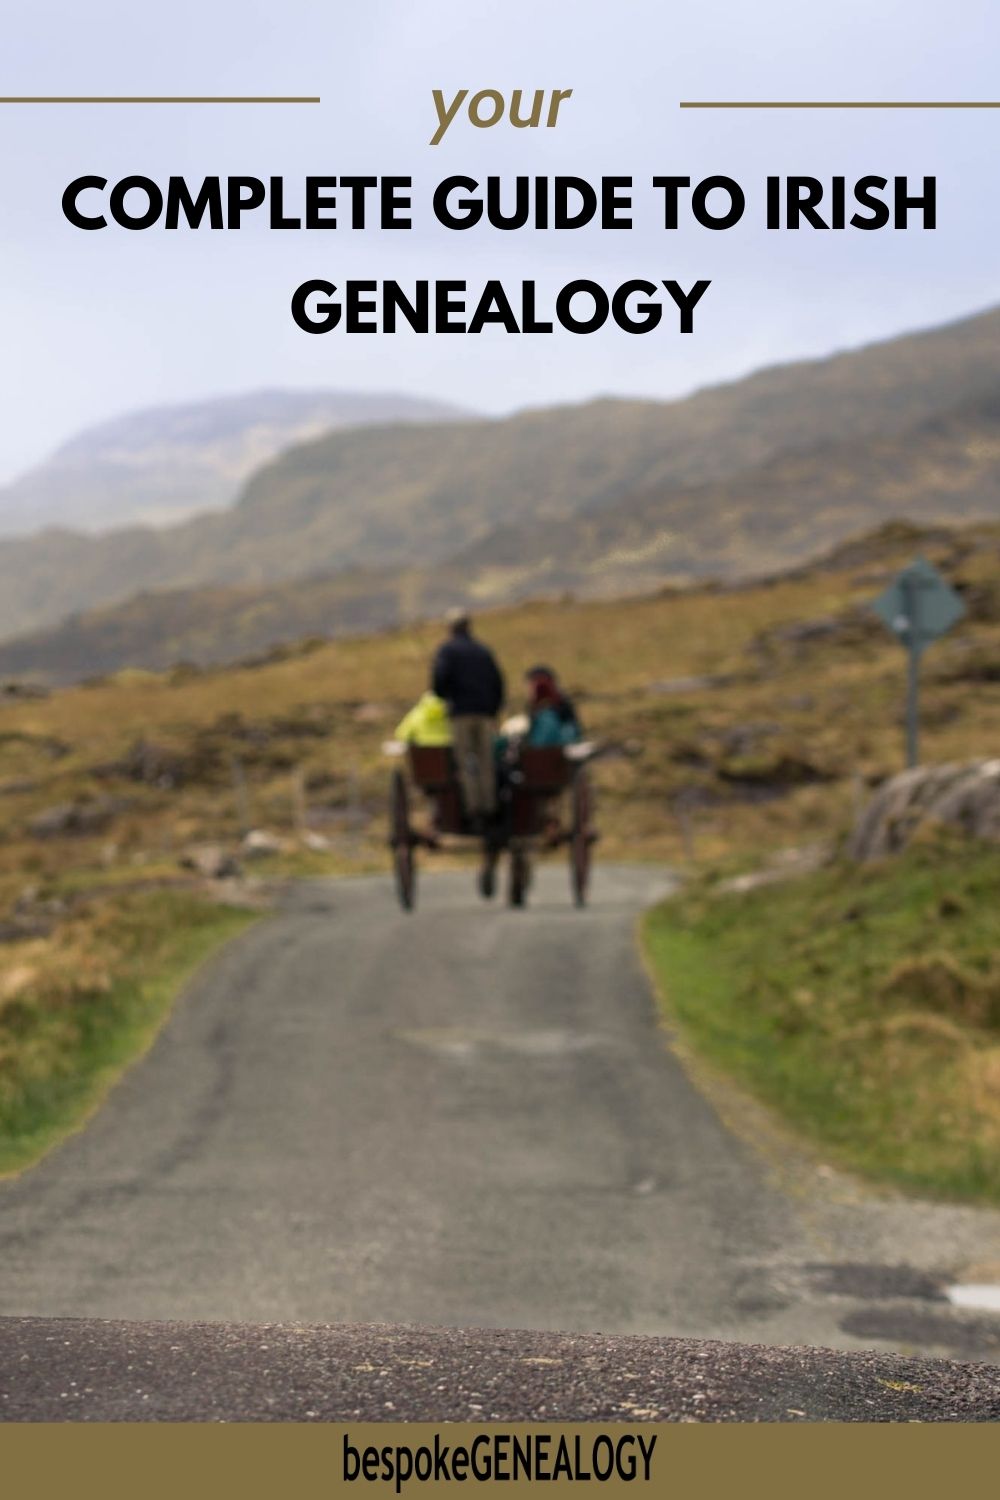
(552, 715)
(550, 720)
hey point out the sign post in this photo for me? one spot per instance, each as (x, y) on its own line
(918, 607)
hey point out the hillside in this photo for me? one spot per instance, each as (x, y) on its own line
(158, 465)
(939, 468)
(605, 498)
(224, 623)
(756, 704)
(750, 526)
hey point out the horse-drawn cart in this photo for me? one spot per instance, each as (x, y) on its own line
(545, 802)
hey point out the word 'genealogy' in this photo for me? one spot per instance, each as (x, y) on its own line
(495, 205)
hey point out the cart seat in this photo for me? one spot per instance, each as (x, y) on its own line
(432, 767)
(544, 768)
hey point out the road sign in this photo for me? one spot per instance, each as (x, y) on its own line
(918, 607)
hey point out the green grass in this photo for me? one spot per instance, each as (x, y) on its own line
(76, 1024)
(861, 1003)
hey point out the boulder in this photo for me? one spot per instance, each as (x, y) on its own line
(259, 842)
(210, 860)
(153, 764)
(964, 796)
(76, 818)
(317, 842)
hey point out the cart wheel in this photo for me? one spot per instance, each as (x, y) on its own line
(519, 878)
(581, 838)
(402, 843)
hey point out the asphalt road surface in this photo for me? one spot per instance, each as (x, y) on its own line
(465, 1117)
(58, 1370)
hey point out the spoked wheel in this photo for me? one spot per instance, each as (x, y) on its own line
(519, 878)
(402, 843)
(581, 838)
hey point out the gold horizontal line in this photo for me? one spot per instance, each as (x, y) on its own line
(840, 104)
(159, 99)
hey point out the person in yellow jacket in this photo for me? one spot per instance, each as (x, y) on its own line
(427, 722)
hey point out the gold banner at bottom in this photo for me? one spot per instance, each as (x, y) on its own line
(262, 1461)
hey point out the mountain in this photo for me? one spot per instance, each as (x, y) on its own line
(764, 520)
(369, 526)
(168, 462)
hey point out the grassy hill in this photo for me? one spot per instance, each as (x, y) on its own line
(762, 706)
(863, 1005)
(599, 499)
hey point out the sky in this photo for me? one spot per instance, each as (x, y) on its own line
(96, 324)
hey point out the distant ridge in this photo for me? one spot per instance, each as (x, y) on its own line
(368, 527)
(164, 463)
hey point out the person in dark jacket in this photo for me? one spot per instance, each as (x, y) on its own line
(466, 675)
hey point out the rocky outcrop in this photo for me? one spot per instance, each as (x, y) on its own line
(211, 861)
(962, 796)
(78, 819)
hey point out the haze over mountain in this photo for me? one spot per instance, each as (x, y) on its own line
(369, 526)
(168, 462)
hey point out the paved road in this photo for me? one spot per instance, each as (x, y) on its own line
(464, 1117)
(53, 1370)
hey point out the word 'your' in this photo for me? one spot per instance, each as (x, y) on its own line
(487, 108)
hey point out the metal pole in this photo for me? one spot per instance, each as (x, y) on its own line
(913, 705)
(911, 602)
